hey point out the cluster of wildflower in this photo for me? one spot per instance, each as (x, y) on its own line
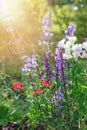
(47, 84)
(30, 63)
(72, 50)
(18, 86)
(38, 91)
(47, 25)
(58, 97)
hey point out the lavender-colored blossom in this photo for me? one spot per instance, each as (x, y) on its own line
(27, 59)
(58, 97)
(47, 68)
(60, 107)
(30, 63)
(47, 22)
(47, 26)
(51, 43)
(85, 39)
(71, 30)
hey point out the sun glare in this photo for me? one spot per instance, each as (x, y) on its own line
(9, 7)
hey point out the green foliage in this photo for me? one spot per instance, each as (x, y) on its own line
(67, 14)
(4, 115)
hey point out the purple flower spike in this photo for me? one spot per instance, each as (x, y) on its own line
(47, 67)
(56, 73)
(60, 64)
(62, 67)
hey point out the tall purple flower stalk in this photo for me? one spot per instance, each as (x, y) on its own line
(47, 68)
(62, 67)
(60, 64)
(56, 73)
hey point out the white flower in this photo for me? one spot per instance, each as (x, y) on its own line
(76, 54)
(61, 43)
(72, 40)
(84, 54)
(85, 45)
(77, 47)
(67, 45)
(66, 56)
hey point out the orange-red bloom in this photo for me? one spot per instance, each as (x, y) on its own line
(18, 86)
(47, 84)
(38, 91)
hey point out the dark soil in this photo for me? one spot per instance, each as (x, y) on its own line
(15, 126)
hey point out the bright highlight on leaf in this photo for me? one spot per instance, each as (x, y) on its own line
(84, 87)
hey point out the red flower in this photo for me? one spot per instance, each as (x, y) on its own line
(47, 84)
(38, 91)
(18, 86)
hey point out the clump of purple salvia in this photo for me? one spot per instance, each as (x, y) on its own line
(47, 68)
(71, 30)
(56, 72)
(62, 67)
(60, 64)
